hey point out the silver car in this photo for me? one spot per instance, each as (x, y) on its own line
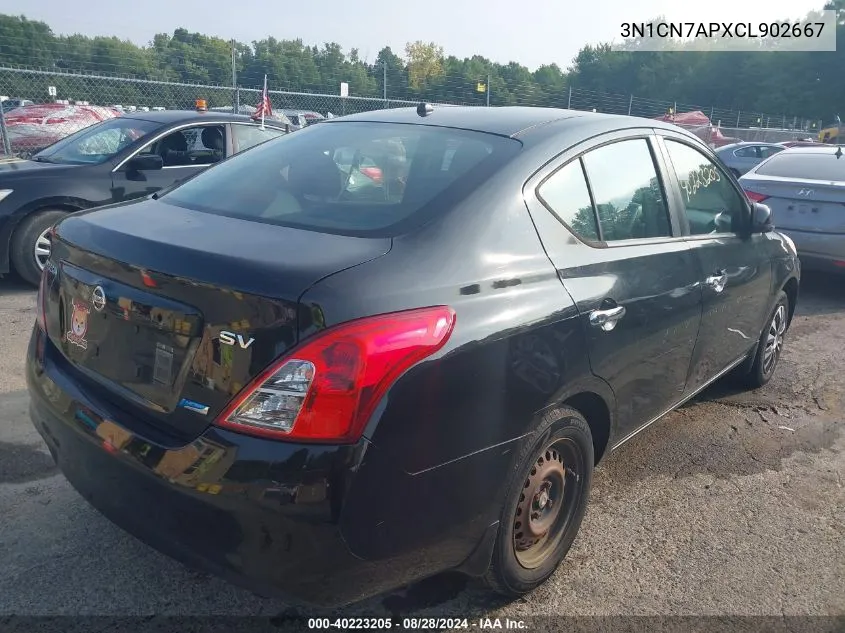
(805, 189)
(740, 157)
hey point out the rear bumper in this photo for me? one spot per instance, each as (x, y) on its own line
(819, 251)
(277, 518)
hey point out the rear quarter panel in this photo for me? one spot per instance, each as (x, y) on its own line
(453, 425)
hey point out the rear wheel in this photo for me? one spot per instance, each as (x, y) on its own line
(770, 345)
(31, 246)
(546, 502)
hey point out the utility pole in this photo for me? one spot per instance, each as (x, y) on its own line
(235, 104)
(7, 145)
(569, 99)
(384, 71)
(488, 90)
(630, 104)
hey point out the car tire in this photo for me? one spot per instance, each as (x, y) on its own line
(771, 340)
(562, 456)
(24, 241)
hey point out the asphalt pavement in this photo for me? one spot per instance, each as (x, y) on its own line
(732, 505)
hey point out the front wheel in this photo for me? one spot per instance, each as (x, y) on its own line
(31, 244)
(770, 345)
(545, 504)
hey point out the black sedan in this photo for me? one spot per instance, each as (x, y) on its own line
(329, 390)
(119, 159)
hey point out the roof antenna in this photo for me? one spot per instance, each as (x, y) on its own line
(424, 109)
(838, 153)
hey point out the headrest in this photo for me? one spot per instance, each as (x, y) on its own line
(212, 138)
(315, 174)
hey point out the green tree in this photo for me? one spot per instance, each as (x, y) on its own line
(425, 63)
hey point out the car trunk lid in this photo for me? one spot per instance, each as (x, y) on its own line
(803, 205)
(147, 293)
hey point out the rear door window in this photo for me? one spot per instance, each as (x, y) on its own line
(627, 191)
(246, 135)
(805, 165)
(350, 177)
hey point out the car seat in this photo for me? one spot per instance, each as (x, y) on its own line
(173, 150)
(212, 138)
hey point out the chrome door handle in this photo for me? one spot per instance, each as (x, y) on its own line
(607, 319)
(717, 282)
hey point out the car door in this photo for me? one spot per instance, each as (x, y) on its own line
(184, 152)
(734, 266)
(626, 265)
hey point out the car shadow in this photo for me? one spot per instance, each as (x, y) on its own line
(11, 285)
(820, 293)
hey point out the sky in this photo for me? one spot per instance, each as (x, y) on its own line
(530, 32)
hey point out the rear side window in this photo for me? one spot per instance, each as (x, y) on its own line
(747, 152)
(810, 166)
(766, 151)
(349, 177)
(566, 194)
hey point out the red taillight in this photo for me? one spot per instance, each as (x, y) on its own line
(755, 197)
(326, 390)
(373, 173)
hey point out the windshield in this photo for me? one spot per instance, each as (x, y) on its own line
(349, 177)
(807, 166)
(96, 144)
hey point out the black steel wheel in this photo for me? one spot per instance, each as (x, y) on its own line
(546, 502)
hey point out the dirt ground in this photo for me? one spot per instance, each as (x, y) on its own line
(733, 505)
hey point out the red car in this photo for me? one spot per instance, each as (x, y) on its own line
(34, 127)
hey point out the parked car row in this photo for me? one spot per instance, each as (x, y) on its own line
(35, 126)
(116, 160)
(32, 127)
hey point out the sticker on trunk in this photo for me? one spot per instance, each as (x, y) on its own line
(78, 325)
(163, 368)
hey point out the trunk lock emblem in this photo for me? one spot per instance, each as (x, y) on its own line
(98, 298)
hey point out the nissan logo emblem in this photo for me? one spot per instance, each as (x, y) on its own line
(98, 298)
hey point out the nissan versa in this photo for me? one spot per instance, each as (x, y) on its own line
(328, 391)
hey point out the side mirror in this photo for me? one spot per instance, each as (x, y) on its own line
(145, 162)
(761, 218)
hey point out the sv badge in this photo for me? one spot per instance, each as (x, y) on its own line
(230, 338)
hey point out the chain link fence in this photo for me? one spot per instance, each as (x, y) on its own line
(59, 103)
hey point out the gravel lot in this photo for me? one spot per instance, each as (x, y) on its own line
(733, 505)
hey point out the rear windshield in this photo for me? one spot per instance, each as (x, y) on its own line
(352, 178)
(815, 166)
